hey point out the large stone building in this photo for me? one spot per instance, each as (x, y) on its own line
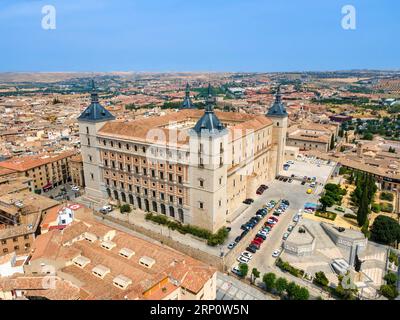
(195, 166)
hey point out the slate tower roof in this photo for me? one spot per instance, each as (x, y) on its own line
(209, 121)
(277, 109)
(95, 112)
(187, 102)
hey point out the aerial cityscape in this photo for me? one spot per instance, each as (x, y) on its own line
(198, 185)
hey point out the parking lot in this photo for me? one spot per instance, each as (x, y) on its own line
(296, 193)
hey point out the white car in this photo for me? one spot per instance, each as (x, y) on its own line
(107, 208)
(290, 162)
(262, 232)
(276, 253)
(247, 255)
(242, 259)
(231, 245)
(271, 221)
(75, 188)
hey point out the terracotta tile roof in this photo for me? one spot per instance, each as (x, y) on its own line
(28, 162)
(169, 264)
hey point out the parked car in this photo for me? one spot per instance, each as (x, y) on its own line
(75, 188)
(303, 183)
(276, 253)
(237, 239)
(251, 249)
(296, 218)
(285, 236)
(290, 228)
(247, 255)
(264, 186)
(290, 180)
(236, 271)
(245, 227)
(256, 245)
(103, 211)
(231, 245)
(228, 229)
(242, 259)
(276, 213)
(262, 235)
(248, 201)
(108, 208)
(285, 202)
(274, 219)
(285, 179)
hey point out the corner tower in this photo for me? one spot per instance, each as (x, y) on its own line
(90, 121)
(187, 102)
(277, 113)
(208, 140)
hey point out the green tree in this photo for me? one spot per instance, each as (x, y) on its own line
(391, 278)
(326, 201)
(255, 274)
(362, 213)
(280, 285)
(269, 281)
(125, 208)
(244, 269)
(385, 230)
(291, 289)
(389, 291)
(321, 279)
(302, 293)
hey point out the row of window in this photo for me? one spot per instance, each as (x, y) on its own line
(15, 239)
(153, 193)
(153, 173)
(16, 248)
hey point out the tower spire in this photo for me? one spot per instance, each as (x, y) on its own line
(277, 109)
(94, 95)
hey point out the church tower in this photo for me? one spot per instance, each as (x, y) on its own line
(187, 102)
(208, 140)
(277, 113)
(90, 121)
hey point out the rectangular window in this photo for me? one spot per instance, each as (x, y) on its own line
(201, 205)
(180, 179)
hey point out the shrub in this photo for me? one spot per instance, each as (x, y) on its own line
(326, 215)
(285, 266)
(321, 279)
(244, 269)
(350, 216)
(212, 239)
(125, 208)
(388, 196)
(386, 207)
(389, 291)
(391, 278)
(393, 258)
(375, 207)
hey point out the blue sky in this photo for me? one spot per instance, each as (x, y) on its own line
(199, 35)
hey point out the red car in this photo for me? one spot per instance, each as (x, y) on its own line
(274, 218)
(257, 240)
(269, 225)
(256, 244)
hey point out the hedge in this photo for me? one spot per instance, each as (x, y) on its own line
(386, 196)
(212, 239)
(386, 207)
(285, 266)
(326, 215)
(350, 216)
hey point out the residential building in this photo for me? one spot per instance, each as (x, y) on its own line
(46, 170)
(76, 170)
(88, 260)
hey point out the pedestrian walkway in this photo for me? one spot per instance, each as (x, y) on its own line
(230, 288)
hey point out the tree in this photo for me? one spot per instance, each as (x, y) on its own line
(326, 201)
(391, 278)
(291, 289)
(363, 210)
(389, 291)
(385, 230)
(255, 274)
(125, 208)
(321, 279)
(280, 285)
(269, 281)
(367, 136)
(244, 269)
(302, 293)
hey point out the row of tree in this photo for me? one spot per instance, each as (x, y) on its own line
(279, 286)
